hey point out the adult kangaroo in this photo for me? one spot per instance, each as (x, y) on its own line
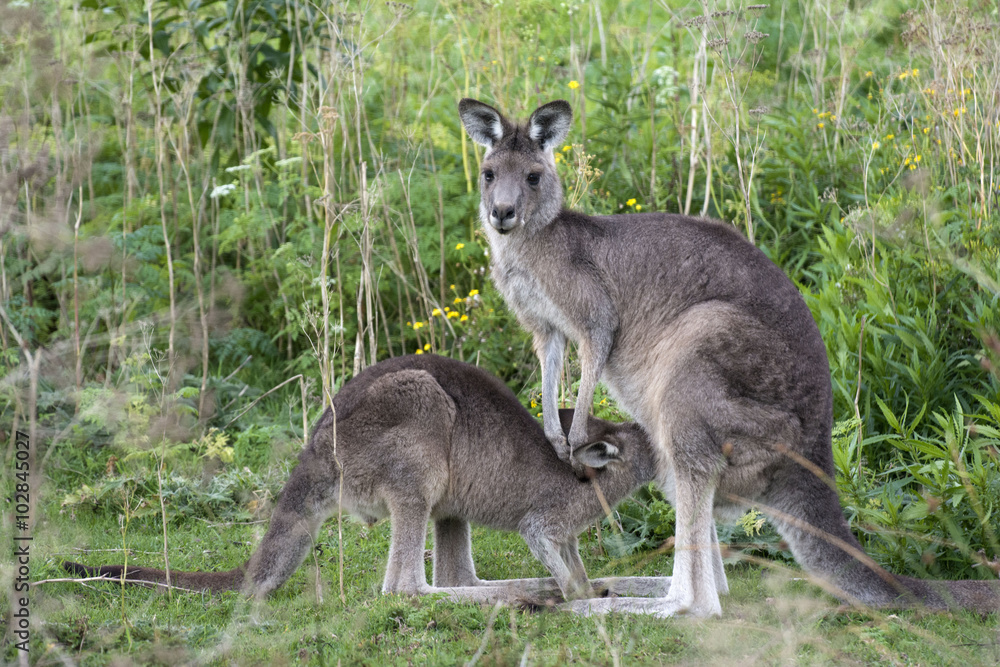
(425, 437)
(705, 342)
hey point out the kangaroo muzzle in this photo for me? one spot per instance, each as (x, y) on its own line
(503, 217)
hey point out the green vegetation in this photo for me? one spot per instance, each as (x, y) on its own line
(214, 213)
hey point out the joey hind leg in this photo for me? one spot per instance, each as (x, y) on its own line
(404, 572)
(453, 564)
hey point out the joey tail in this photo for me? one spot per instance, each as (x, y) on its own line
(229, 580)
(307, 500)
(808, 516)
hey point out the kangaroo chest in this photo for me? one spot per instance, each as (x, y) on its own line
(535, 306)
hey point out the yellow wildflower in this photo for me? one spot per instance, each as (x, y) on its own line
(916, 159)
(630, 202)
(463, 318)
(875, 145)
(573, 85)
(459, 246)
(915, 72)
(820, 125)
(926, 130)
(868, 74)
(419, 351)
(638, 207)
(473, 292)
(435, 312)
(427, 347)
(458, 299)
(418, 325)
(566, 148)
(890, 137)
(453, 314)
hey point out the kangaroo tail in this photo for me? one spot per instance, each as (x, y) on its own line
(808, 516)
(209, 581)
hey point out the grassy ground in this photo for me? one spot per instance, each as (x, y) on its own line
(769, 617)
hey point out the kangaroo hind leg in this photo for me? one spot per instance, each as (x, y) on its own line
(404, 572)
(691, 462)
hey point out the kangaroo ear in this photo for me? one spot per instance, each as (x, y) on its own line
(550, 124)
(597, 454)
(483, 123)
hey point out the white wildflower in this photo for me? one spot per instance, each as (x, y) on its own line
(222, 190)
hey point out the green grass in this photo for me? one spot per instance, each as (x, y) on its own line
(771, 615)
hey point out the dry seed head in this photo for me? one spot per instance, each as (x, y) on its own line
(717, 44)
(696, 21)
(754, 36)
(329, 114)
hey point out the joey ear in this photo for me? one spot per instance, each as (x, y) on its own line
(597, 454)
(550, 123)
(483, 123)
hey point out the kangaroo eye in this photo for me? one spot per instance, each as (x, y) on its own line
(488, 175)
(533, 179)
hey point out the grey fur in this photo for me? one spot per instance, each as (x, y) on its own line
(708, 345)
(427, 437)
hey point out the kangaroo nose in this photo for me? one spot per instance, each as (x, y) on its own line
(503, 213)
